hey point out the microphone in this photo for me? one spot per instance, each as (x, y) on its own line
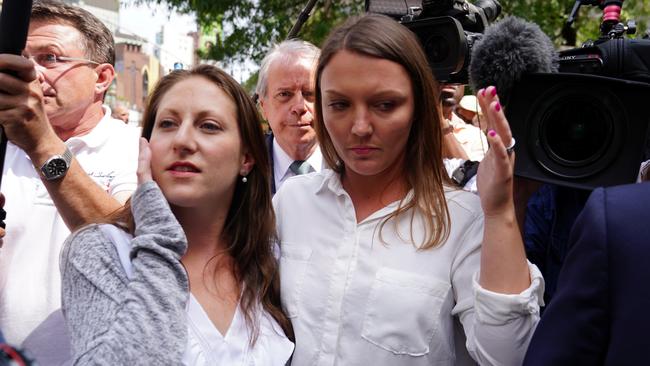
(14, 25)
(509, 49)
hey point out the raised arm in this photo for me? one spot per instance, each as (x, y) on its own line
(504, 268)
(116, 320)
(77, 197)
(508, 290)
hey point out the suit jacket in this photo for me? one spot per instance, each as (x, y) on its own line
(600, 314)
(269, 148)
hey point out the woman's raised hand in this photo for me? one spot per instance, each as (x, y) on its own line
(496, 169)
(144, 162)
(503, 260)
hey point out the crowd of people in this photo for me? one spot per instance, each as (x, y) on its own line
(362, 229)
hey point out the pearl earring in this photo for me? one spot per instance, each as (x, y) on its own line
(244, 179)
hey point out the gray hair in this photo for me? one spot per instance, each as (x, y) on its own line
(284, 51)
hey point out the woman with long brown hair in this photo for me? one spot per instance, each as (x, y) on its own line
(383, 260)
(143, 289)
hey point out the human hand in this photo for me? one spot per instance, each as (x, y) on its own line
(495, 173)
(22, 109)
(144, 162)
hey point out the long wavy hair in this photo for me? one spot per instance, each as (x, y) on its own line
(249, 228)
(381, 37)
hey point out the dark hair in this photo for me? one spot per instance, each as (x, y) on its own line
(97, 40)
(250, 225)
(381, 37)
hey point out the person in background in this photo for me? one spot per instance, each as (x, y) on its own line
(68, 162)
(403, 268)
(120, 112)
(285, 92)
(470, 138)
(469, 110)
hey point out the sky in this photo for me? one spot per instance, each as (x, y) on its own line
(145, 20)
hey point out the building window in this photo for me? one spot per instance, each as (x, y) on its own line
(145, 85)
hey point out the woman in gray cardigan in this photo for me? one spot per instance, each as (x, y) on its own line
(143, 289)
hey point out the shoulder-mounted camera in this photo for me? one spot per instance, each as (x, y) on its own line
(447, 30)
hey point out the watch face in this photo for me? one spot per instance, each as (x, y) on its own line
(56, 168)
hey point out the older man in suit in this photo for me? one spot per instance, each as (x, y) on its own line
(285, 90)
(599, 315)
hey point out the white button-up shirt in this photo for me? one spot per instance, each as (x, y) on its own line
(358, 295)
(282, 161)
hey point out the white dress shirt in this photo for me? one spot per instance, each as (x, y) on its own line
(282, 161)
(358, 295)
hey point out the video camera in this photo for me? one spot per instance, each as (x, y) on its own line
(586, 126)
(447, 30)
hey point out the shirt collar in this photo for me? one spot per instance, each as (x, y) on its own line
(332, 182)
(97, 136)
(282, 161)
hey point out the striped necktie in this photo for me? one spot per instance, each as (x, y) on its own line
(299, 167)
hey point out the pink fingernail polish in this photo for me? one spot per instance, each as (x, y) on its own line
(494, 91)
(482, 91)
(492, 133)
(497, 107)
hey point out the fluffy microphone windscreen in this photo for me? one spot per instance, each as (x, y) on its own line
(507, 50)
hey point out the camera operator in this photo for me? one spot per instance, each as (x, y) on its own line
(67, 160)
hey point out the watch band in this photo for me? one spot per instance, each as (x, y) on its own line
(57, 166)
(67, 156)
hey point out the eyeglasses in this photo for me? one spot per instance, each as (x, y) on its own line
(50, 60)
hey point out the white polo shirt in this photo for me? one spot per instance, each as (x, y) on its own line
(30, 280)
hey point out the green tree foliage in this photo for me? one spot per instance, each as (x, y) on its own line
(245, 29)
(551, 15)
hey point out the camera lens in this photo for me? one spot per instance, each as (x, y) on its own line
(444, 44)
(491, 8)
(437, 48)
(576, 131)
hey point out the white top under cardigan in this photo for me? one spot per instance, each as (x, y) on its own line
(206, 345)
(355, 300)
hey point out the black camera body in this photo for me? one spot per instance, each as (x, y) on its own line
(586, 126)
(579, 130)
(446, 29)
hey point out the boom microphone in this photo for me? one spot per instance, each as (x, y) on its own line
(14, 25)
(509, 49)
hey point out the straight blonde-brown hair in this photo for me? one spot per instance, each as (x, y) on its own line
(250, 225)
(381, 37)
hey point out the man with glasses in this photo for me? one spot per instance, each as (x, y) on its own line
(67, 162)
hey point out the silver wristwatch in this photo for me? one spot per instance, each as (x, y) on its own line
(56, 166)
